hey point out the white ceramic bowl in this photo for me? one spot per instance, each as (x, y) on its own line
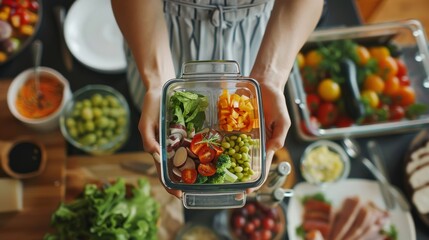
(43, 124)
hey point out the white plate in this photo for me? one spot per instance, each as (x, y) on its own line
(336, 193)
(93, 36)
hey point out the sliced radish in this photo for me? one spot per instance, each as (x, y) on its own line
(177, 172)
(189, 164)
(174, 140)
(191, 154)
(180, 157)
(186, 142)
(178, 128)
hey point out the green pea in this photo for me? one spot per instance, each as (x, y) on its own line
(233, 137)
(237, 156)
(78, 105)
(102, 141)
(232, 143)
(239, 175)
(246, 164)
(246, 169)
(73, 132)
(240, 144)
(231, 151)
(108, 133)
(233, 165)
(244, 149)
(226, 145)
(102, 122)
(237, 148)
(245, 179)
(245, 157)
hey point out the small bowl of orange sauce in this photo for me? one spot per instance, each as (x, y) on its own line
(39, 112)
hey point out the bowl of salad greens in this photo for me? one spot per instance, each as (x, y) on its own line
(110, 211)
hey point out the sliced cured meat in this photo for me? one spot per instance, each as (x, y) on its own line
(363, 219)
(345, 217)
(317, 215)
(322, 226)
(421, 200)
(317, 205)
(420, 152)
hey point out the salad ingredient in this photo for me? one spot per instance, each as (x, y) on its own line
(189, 110)
(238, 148)
(204, 145)
(236, 112)
(322, 164)
(30, 105)
(206, 169)
(106, 213)
(313, 102)
(180, 157)
(327, 114)
(189, 176)
(189, 164)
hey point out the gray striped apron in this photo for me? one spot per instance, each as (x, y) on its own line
(209, 30)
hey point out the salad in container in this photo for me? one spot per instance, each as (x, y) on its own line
(212, 135)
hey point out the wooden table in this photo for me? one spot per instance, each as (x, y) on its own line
(43, 193)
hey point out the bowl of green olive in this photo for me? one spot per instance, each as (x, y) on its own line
(96, 120)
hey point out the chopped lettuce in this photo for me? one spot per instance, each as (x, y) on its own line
(108, 214)
(189, 109)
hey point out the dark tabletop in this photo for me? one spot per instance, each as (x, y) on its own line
(337, 13)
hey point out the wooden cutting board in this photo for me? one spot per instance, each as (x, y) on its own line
(43, 193)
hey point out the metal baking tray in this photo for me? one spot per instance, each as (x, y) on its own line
(411, 39)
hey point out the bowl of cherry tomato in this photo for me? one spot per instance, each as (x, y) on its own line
(19, 23)
(257, 221)
(361, 81)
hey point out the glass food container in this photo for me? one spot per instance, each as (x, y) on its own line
(403, 40)
(212, 135)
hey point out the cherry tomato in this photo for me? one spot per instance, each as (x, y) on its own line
(313, 102)
(251, 208)
(329, 90)
(363, 54)
(196, 144)
(402, 68)
(344, 121)
(189, 176)
(396, 112)
(391, 86)
(387, 67)
(239, 221)
(249, 228)
(266, 234)
(206, 154)
(268, 223)
(206, 169)
(374, 82)
(379, 52)
(314, 123)
(313, 58)
(371, 98)
(404, 80)
(327, 114)
(218, 150)
(405, 96)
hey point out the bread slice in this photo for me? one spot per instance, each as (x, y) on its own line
(419, 177)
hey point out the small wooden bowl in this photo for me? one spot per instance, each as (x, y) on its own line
(7, 148)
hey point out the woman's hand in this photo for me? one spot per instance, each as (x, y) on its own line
(277, 121)
(149, 130)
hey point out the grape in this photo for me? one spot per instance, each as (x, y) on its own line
(96, 120)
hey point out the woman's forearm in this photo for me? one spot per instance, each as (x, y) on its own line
(290, 24)
(143, 26)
